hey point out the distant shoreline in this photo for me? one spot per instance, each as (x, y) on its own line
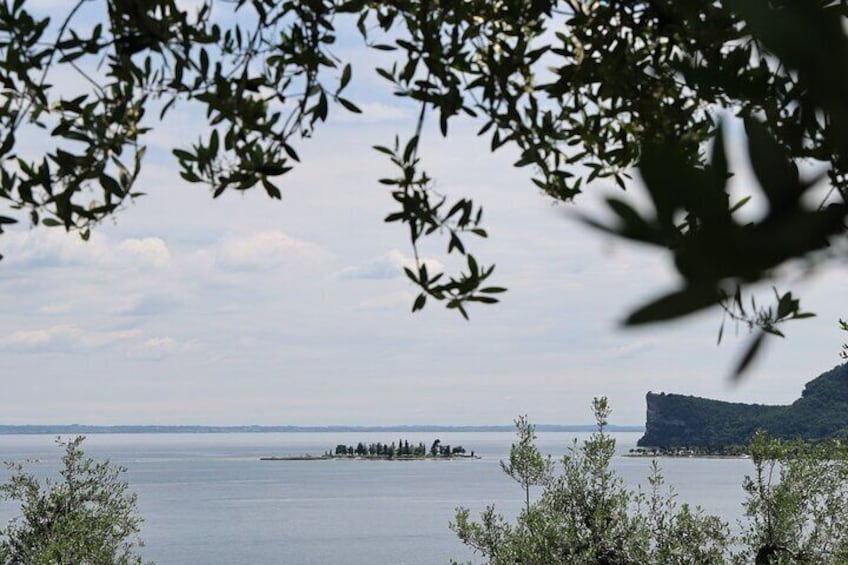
(153, 429)
(725, 452)
(687, 456)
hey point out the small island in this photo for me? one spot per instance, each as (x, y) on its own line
(395, 451)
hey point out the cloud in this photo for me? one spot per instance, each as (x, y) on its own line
(52, 248)
(388, 266)
(265, 250)
(63, 338)
(67, 338)
(147, 252)
(149, 305)
(161, 347)
(632, 348)
(45, 248)
(25, 339)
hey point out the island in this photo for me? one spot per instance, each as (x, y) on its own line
(682, 425)
(395, 451)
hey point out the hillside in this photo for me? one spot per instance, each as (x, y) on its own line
(675, 420)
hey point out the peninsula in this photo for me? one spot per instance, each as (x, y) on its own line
(677, 421)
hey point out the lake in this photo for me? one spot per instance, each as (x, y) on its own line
(206, 498)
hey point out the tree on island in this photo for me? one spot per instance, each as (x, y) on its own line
(401, 449)
(420, 450)
(582, 90)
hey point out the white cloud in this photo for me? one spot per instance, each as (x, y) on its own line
(161, 347)
(265, 250)
(57, 248)
(147, 252)
(51, 248)
(63, 337)
(25, 339)
(632, 347)
(154, 348)
(388, 266)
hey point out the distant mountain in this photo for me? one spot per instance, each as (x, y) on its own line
(72, 429)
(675, 420)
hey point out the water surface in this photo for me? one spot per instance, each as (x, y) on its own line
(206, 498)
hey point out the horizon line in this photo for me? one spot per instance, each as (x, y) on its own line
(10, 429)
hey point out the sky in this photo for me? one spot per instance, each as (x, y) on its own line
(186, 309)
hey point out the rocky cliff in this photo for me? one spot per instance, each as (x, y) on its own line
(675, 420)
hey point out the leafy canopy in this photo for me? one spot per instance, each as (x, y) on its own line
(583, 90)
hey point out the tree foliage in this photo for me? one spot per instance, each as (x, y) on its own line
(582, 90)
(526, 466)
(794, 503)
(399, 450)
(586, 515)
(86, 517)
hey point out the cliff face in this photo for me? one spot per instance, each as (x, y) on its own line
(675, 420)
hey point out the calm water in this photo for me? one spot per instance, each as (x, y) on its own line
(208, 499)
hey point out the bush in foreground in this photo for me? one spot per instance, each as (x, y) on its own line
(584, 514)
(86, 517)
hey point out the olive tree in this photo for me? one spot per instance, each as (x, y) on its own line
(87, 516)
(794, 512)
(527, 466)
(795, 501)
(585, 514)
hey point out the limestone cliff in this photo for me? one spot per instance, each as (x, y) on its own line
(675, 420)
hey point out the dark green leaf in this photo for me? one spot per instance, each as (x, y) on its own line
(346, 74)
(8, 143)
(350, 106)
(110, 185)
(183, 155)
(750, 354)
(686, 301)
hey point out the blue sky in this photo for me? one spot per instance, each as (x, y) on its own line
(242, 310)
